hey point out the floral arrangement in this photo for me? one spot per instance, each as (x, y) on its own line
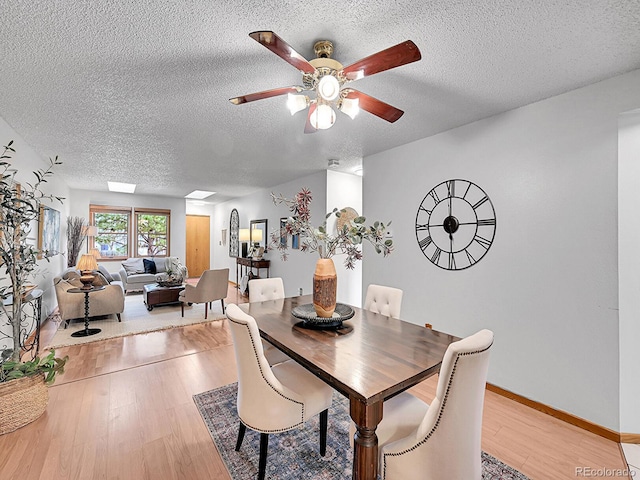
(347, 239)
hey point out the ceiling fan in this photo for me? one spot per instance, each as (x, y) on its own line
(327, 77)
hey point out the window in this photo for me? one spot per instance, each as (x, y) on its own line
(152, 233)
(117, 240)
(113, 225)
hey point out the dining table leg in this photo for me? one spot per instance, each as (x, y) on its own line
(365, 451)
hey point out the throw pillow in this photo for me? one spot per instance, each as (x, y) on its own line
(149, 266)
(103, 270)
(133, 266)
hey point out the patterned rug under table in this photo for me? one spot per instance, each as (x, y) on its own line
(295, 454)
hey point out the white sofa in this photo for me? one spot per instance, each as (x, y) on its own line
(133, 273)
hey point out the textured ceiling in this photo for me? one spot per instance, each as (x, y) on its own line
(137, 91)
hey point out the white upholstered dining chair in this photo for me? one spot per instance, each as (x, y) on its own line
(384, 300)
(213, 285)
(273, 399)
(262, 290)
(441, 440)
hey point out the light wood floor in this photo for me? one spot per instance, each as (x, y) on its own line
(123, 410)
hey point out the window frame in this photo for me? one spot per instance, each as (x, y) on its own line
(151, 211)
(93, 209)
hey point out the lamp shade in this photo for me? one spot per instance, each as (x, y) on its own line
(87, 263)
(256, 235)
(95, 252)
(90, 230)
(244, 235)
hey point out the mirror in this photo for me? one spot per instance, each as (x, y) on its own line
(259, 233)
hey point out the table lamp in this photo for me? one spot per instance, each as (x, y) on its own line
(256, 237)
(244, 235)
(86, 265)
(95, 252)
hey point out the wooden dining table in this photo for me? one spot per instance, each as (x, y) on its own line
(370, 359)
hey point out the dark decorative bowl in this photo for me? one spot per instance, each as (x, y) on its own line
(310, 318)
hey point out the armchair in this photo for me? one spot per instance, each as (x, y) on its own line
(213, 285)
(104, 302)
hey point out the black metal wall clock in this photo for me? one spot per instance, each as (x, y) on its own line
(455, 224)
(234, 228)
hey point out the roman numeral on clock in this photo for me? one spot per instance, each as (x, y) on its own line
(424, 243)
(486, 222)
(482, 241)
(480, 202)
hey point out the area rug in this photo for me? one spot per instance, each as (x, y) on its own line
(135, 319)
(295, 454)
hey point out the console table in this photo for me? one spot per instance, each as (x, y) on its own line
(249, 264)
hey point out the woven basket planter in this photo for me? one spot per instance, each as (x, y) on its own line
(21, 402)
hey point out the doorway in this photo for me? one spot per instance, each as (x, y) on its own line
(198, 244)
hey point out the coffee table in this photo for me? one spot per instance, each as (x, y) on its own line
(155, 295)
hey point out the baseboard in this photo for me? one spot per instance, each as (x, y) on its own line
(564, 416)
(630, 438)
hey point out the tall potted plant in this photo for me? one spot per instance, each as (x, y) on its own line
(19, 207)
(347, 239)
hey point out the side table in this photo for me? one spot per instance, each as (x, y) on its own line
(87, 331)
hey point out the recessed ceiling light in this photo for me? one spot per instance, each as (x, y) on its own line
(121, 187)
(199, 194)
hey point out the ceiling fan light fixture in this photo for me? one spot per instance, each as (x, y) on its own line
(322, 117)
(350, 106)
(295, 103)
(329, 88)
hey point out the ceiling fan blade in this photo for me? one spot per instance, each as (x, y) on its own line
(252, 97)
(308, 128)
(401, 54)
(281, 48)
(377, 107)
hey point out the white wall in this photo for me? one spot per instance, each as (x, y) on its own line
(297, 271)
(548, 287)
(26, 160)
(83, 198)
(345, 190)
(629, 269)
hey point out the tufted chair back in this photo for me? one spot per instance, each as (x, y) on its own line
(446, 442)
(273, 399)
(261, 289)
(384, 300)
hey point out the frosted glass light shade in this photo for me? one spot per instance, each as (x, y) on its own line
(350, 106)
(295, 103)
(323, 117)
